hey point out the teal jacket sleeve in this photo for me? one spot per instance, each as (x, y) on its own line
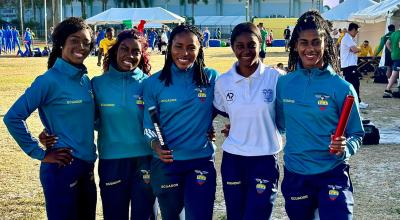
(354, 131)
(15, 119)
(149, 101)
(279, 118)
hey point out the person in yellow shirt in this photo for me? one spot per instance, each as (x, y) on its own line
(106, 44)
(365, 50)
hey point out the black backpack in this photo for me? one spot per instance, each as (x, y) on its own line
(380, 75)
(371, 133)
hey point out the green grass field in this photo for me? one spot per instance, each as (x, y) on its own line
(375, 171)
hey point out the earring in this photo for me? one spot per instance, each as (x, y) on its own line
(61, 47)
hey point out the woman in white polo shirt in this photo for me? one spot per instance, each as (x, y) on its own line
(246, 93)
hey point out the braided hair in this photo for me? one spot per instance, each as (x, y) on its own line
(312, 20)
(111, 56)
(199, 76)
(60, 34)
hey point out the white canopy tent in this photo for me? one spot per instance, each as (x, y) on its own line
(156, 15)
(219, 20)
(376, 18)
(378, 13)
(340, 14)
(343, 11)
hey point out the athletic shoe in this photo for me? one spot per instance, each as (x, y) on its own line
(363, 105)
(387, 94)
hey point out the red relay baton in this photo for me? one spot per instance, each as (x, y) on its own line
(344, 118)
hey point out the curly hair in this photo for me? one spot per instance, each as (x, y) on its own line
(111, 56)
(199, 77)
(312, 20)
(62, 31)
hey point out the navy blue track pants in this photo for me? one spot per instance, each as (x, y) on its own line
(125, 182)
(186, 183)
(331, 192)
(250, 185)
(70, 191)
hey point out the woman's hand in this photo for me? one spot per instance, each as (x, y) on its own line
(62, 156)
(338, 145)
(164, 155)
(226, 129)
(47, 140)
(211, 135)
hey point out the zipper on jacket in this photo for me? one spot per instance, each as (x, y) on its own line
(124, 89)
(307, 85)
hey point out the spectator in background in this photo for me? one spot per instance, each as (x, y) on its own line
(15, 37)
(365, 50)
(106, 44)
(9, 39)
(270, 38)
(218, 34)
(348, 60)
(28, 40)
(206, 35)
(286, 36)
(163, 42)
(100, 36)
(388, 56)
(152, 36)
(49, 39)
(45, 52)
(341, 35)
(1, 39)
(393, 45)
(263, 47)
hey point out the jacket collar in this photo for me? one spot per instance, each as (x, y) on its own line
(176, 72)
(72, 71)
(326, 70)
(136, 74)
(237, 77)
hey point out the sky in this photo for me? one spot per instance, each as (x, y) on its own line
(331, 3)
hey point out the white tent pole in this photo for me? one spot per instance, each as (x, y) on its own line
(21, 16)
(61, 10)
(45, 21)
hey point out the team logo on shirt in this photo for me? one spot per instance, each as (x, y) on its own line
(261, 185)
(146, 176)
(268, 95)
(229, 96)
(201, 94)
(333, 192)
(139, 101)
(201, 177)
(322, 101)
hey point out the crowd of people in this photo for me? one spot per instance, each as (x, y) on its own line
(261, 103)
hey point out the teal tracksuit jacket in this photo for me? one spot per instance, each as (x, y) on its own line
(309, 103)
(63, 95)
(119, 108)
(185, 112)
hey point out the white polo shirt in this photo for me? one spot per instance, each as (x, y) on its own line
(250, 104)
(347, 58)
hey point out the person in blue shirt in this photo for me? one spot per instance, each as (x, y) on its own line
(15, 37)
(64, 98)
(9, 39)
(124, 165)
(28, 40)
(152, 38)
(1, 39)
(100, 36)
(309, 101)
(182, 92)
(124, 157)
